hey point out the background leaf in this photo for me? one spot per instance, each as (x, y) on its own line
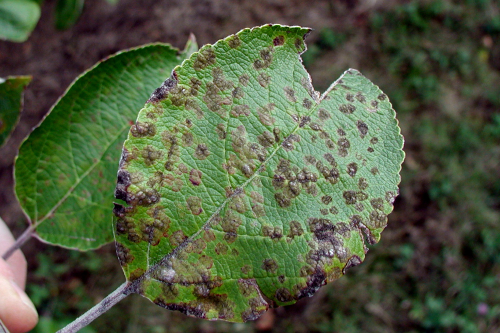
(66, 169)
(11, 103)
(67, 13)
(244, 188)
(17, 19)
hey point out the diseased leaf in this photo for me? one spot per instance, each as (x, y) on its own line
(246, 189)
(66, 169)
(17, 19)
(11, 103)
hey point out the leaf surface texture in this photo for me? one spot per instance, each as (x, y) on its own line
(247, 189)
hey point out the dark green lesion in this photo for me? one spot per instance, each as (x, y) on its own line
(204, 58)
(234, 41)
(194, 205)
(266, 58)
(142, 129)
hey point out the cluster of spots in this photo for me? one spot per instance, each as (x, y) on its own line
(257, 201)
(151, 229)
(237, 203)
(373, 141)
(214, 98)
(248, 153)
(307, 103)
(357, 222)
(234, 41)
(352, 168)
(347, 108)
(244, 79)
(289, 181)
(265, 116)
(161, 91)
(264, 79)
(187, 139)
(332, 175)
(323, 114)
(279, 40)
(142, 129)
(329, 244)
(290, 94)
(362, 183)
(287, 143)
(201, 152)
(270, 265)
(144, 197)
(343, 144)
(267, 139)
(194, 205)
(124, 255)
(238, 93)
(266, 57)
(195, 177)
(195, 276)
(220, 129)
(354, 197)
(304, 121)
(327, 200)
(256, 303)
(275, 233)
(204, 58)
(151, 154)
(230, 224)
(362, 128)
(377, 219)
(295, 230)
(171, 144)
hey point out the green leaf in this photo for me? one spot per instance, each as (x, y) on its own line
(247, 189)
(66, 169)
(11, 103)
(17, 19)
(67, 13)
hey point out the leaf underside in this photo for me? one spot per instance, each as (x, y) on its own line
(11, 103)
(246, 189)
(66, 170)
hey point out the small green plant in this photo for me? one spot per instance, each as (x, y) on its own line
(240, 187)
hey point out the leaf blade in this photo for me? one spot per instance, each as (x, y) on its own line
(11, 103)
(227, 196)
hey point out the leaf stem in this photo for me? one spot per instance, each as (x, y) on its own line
(107, 303)
(25, 236)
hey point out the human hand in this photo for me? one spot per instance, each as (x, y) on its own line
(17, 312)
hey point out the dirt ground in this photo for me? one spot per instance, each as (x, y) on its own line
(417, 268)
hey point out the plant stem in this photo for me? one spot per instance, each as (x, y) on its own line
(107, 303)
(19, 241)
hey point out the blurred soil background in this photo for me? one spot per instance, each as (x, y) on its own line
(437, 267)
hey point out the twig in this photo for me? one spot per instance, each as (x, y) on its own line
(120, 293)
(19, 241)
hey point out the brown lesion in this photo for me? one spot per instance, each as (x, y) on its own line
(204, 58)
(266, 58)
(194, 205)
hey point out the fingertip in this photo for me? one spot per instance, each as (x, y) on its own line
(16, 310)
